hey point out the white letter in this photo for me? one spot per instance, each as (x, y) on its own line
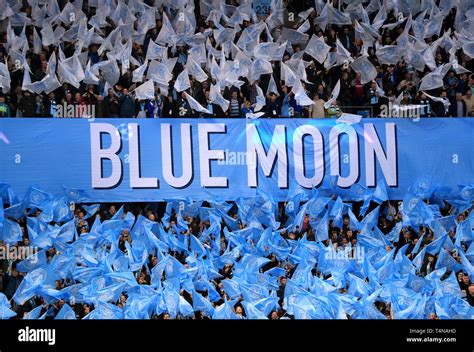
(298, 155)
(255, 147)
(206, 155)
(186, 155)
(353, 151)
(373, 146)
(134, 158)
(97, 154)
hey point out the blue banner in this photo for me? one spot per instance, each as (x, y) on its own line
(114, 160)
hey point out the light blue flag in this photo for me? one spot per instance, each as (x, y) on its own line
(105, 310)
(357, 286)
(467, 193)
(394, 234)
(129, 220)
(67, 233)
(464, 232)
(137, 254)
(202, 304)
(11, 232)
(35, 197)
(467, 265)
(435, 246)
(423, 187)
(370, 220)
(15, 211)
(33, 314)
(32, 262)
(196, 246)
(75, 195)
(252, 312)
(66, 313)
(212, 292)
(5, 311)
(225, 311)
(445, 260)
(30, 285)
(353, 222)
(118, 215)
(90, 210)
(418, 245)
(470, 252)
(185, 309)
(63, 265)
(418, 260)
(2, 216)
(171, 298)
(126, 277)
(231, 287)
(336, 212)
(380, 194)
(61, 211)
(460, 205)
(266, 305)
(321, 233)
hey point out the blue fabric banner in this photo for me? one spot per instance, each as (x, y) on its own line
(112, 160)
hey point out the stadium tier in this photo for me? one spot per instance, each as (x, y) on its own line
(236, 159)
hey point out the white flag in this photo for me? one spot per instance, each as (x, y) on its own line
(431, 81)
(110, 71)
(70, 71)
(301, 97)
(217, 98)
(334, 95)
(287, 75)
(468, 49)
(253, 116)
(37, 45)
(269, 51)
(389, 54)
(145, 91)
(317, 48)
(272, 87)
(195, 105)
(260, 67)
(90, 77)
(367, 71)
(260, 99)
(156, 51)
(415, 59)
(182, 81)
(5, 81)
(349, 118)
(137, 74)
(195, 70)
(304, 27)
(167, 35)
(159, 72)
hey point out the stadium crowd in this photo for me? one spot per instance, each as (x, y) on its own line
(282, 62)
(310, 257)
(313, 256)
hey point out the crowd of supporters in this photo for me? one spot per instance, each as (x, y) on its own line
(392, 80)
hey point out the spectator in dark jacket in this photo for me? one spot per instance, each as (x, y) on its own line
(458, 107)
(27, 104)
(127, 105)
(273, 106)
